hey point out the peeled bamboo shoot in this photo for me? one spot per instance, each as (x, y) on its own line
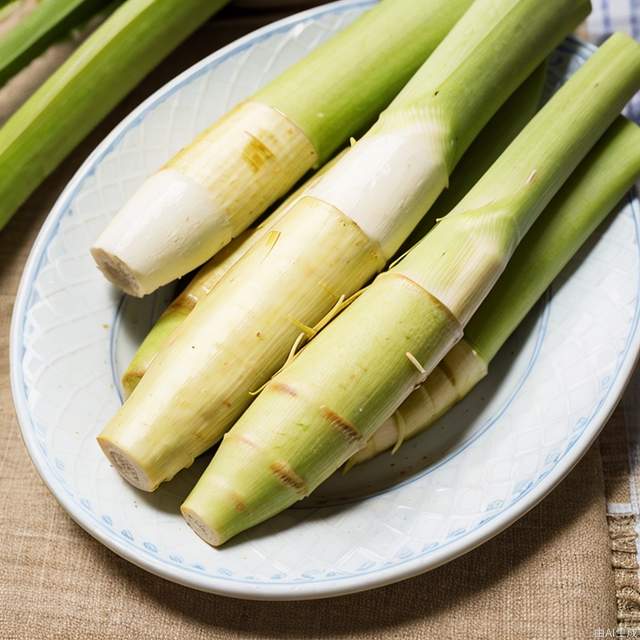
(325, 405)
(203, 282)
(216, 187)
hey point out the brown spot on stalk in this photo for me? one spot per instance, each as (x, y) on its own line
(282, 387)
(342, 425)
(449, 375)
(242, 438)
(288, 477)
(132, 376)
(256, 154)
(184, 301)
(238, 503)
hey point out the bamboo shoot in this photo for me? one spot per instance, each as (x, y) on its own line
(203, 282)
(216, 187)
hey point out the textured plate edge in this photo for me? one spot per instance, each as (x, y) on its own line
(274, 591)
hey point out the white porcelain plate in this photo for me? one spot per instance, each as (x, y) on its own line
(479, 469)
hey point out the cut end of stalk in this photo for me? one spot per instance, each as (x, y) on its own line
(203, 530)
(117, 272)
(128, 468)
(171, 225)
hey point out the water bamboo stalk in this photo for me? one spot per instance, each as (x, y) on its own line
(586, 199)
(485, 150)
(131, 42)
(218, 185)
(50, 21)
(325, 405)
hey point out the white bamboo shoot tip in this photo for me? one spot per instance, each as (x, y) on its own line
(139, 259)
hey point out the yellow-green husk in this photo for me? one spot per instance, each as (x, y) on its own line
(202, 283)
(240, 165)
(504, 126)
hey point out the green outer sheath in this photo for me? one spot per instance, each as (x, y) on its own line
(464, 81)
(292, 424)
(589, 195)
(582, 204)
(49, 22)
(584, 106)
(130, 43)
(156, 339)
(601, 87)
(501, 130)
(521, 183)
(373, 59)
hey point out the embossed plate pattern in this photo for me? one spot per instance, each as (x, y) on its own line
(478, 470)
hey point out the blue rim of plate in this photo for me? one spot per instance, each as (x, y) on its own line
(313, 587)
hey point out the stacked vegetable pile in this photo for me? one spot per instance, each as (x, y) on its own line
(304, 343)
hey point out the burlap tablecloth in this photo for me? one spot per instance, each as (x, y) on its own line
(548, 576)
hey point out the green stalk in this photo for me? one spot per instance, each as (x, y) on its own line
(585, 200)
(493, 140)
(485, 150)
(592, 191)
(316, 93)
(325, 405)
(378, 54)
(326, 247)
(7, 7)
(234, 170)
(131, 42)
(49, 22)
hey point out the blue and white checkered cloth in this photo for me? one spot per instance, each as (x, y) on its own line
(616, 15)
